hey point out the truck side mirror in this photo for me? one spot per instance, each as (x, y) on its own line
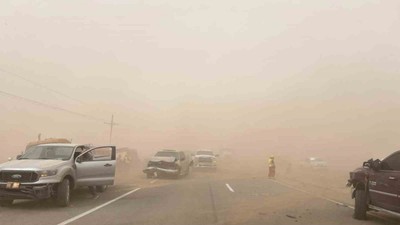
(376, 165)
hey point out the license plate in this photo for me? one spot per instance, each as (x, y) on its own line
(12, 185)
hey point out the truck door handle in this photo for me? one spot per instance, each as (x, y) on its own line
(107, 165)
(392, 178)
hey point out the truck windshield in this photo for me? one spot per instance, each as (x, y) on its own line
(204, 153)
(167, 154)
(48, 152)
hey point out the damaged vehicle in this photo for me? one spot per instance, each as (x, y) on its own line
(169, 163)
(53, 170)
(375, 186)
(205, 159)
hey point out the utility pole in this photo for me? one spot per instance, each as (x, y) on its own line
(111, 126)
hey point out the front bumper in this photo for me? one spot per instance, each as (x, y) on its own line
(42, 191)
(158, 170)
(205, 165)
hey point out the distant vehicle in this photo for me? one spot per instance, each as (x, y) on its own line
(315, 162)
(53, 170)
(375, 186)
(127, 157)
(169, 163)
(205, 159)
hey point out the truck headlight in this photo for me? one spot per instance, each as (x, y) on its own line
(47, 173)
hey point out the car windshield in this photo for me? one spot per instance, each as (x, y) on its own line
(167, 154)
(48, 152)
(204, 153)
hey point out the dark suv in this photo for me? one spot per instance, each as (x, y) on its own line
(376, 186)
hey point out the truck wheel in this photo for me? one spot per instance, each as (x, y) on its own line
(6, 203)
(101, 188)
(360, 206)
(63, 193)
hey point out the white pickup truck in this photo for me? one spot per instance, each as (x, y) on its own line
(205, 159)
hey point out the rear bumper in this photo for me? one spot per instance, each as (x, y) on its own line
(42, 191)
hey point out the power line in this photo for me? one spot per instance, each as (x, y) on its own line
(50, 106)
(40, 85)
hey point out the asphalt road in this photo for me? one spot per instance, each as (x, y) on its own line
(199, 199)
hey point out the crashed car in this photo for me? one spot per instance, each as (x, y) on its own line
(375, 186)
(53, 170)
(205, 159)
(169, 163)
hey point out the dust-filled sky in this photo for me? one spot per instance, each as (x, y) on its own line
(309, 77)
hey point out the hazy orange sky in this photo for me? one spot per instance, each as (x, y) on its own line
(314, 76)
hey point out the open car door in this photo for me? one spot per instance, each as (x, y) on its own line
(96, 166)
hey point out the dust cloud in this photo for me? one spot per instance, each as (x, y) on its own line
(288, 78)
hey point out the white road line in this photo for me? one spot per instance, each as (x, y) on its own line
(319, 196)
(230, 188)
(97, 208)
(153, 181)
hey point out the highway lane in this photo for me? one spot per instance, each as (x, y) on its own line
(210, 201)
(199, 199)
(187, 203)
(46, 212)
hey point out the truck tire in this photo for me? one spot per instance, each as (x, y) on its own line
(360, 206)
(63, 193)
(101, 188)
(5, 203)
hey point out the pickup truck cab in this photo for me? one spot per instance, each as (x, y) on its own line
(53, 170)
(376, 186)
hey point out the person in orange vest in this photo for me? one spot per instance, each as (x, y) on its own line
(271, 167)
